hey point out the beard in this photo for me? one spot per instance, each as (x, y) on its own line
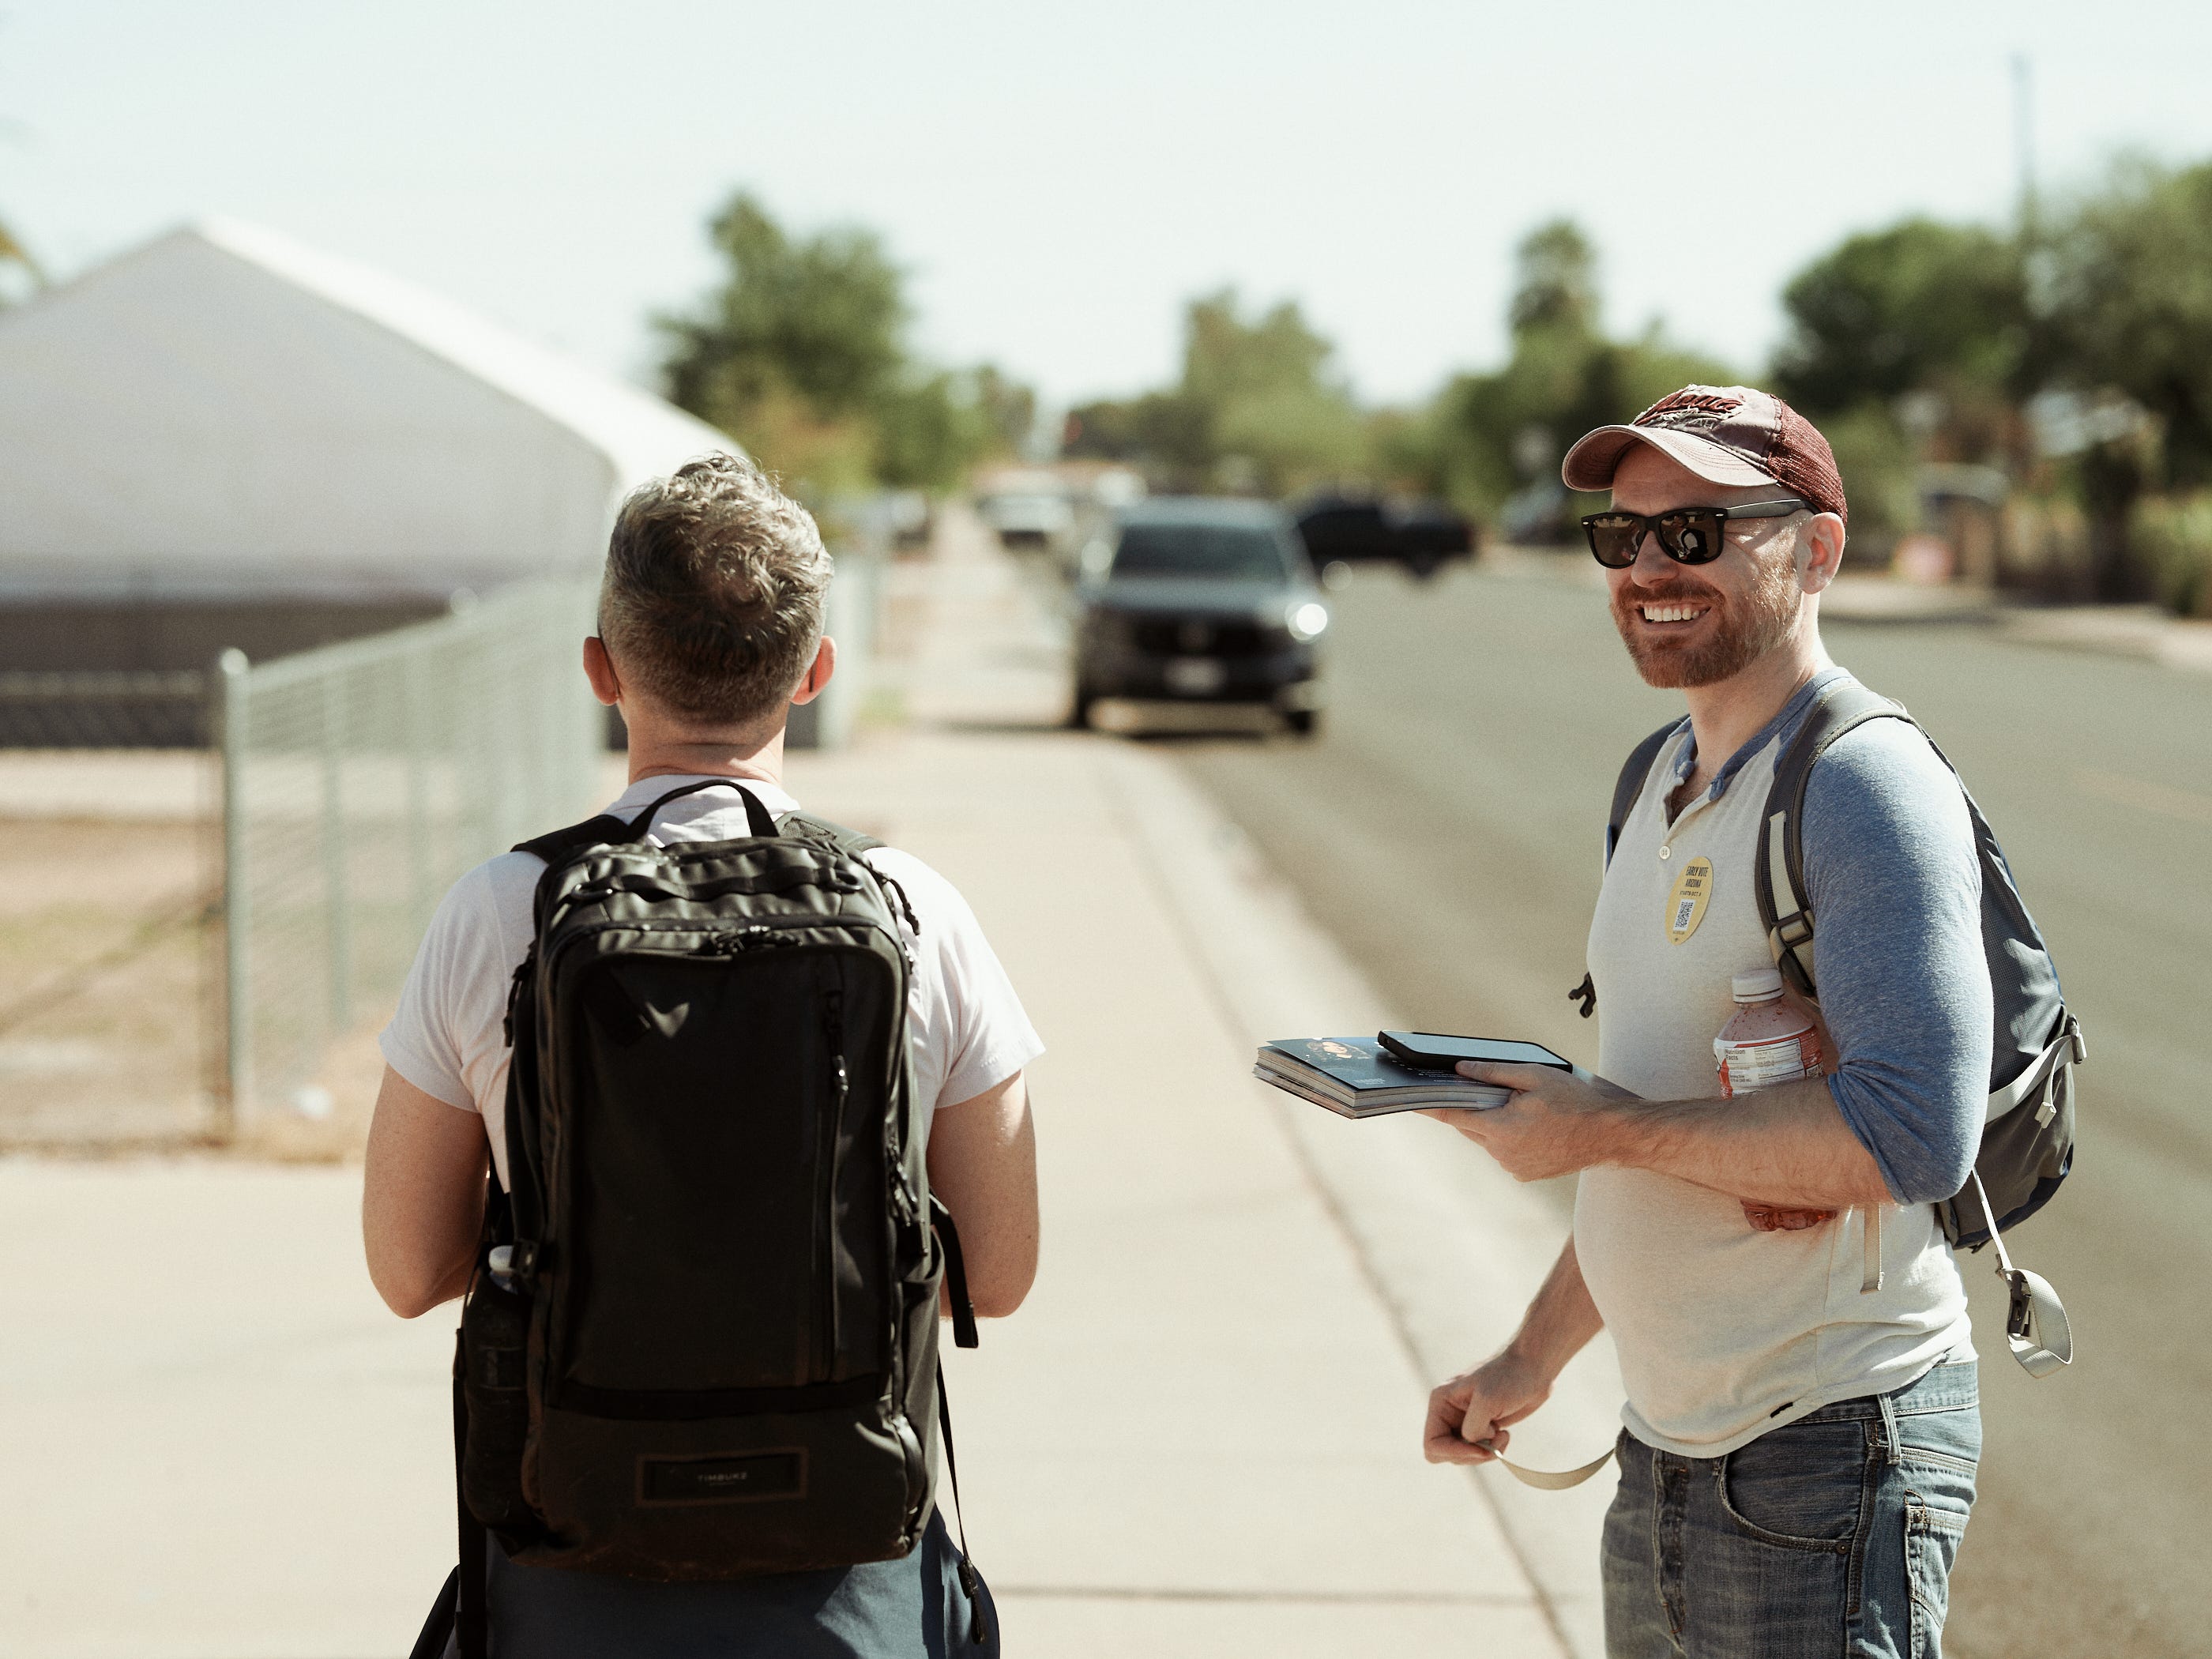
(1745, 627)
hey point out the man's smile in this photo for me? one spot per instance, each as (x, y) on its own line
(1675, 612)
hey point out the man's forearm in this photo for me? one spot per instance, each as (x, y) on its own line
(1787, 1145)
(1560, 1321)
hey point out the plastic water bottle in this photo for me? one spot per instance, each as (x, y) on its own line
(1766, 1041)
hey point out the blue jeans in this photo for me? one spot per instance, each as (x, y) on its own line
(1832, 1537)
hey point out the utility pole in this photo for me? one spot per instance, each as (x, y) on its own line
(2023, 139)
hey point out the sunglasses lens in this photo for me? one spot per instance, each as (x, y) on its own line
(1692, 538)
(1613, 538)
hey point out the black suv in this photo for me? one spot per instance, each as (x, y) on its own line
(1198, 599)
(1421, 535)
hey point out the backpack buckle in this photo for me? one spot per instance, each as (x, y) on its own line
(512, 1265)
(1796, 928)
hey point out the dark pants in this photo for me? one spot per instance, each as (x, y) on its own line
(1833, 1537)
(912, 1608)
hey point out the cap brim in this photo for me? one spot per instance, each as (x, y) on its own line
(1590, 464)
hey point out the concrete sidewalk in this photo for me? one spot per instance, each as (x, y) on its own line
(1201, 1436)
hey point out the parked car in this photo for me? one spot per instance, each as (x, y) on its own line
(1028, 509)
(1351, 529)
(1197, 599)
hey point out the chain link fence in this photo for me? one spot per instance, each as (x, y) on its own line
(92, 709)
(360, 781)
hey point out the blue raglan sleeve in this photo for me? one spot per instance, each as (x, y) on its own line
(1895, 886)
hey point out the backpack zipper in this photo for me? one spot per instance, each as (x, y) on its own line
(705, 926)
(825, 1196)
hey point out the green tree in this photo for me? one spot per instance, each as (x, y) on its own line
(1498, 436)
(1920, 306)
(1255, 406)
(800, 354)
(2129, 300)
(1009, 409)
(1909, 344)
(821, 316)
(1557, 281)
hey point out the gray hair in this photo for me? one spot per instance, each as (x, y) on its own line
(712, 600)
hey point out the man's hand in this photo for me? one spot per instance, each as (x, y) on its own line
(1555, 1123)
(1468, 1415)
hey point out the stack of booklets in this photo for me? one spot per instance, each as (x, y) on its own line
(1357, 1077)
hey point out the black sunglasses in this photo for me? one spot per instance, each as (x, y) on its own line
(1688, 535)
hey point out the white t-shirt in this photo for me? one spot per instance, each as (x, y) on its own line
(966, 1031)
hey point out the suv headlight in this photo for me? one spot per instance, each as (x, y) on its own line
(1306, 620)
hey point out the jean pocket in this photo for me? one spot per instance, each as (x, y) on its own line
(1799, 1488)
(1947, 1445)
(1932, 1532)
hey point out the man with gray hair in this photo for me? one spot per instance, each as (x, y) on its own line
(710, 631)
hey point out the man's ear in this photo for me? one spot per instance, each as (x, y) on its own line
(600, 669)
(816, 677)
(1819, 551)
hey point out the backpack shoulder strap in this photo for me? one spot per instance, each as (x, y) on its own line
(1626, 787)
(556, 844)
(851, 842)
(607, 829)
(1780, 875)
(1634, 772)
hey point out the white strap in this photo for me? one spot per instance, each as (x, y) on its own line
(2036, 1326)
(2037, 1331)
(1777, 866)
(2067, 1044)
(1548, 1480)
(1870, 1259)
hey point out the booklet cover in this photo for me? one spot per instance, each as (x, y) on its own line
(1357, 1077)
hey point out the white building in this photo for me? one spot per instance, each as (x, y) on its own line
(223, 438)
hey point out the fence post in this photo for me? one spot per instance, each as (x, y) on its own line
(337, 912)
(231, 694)
(415, 693)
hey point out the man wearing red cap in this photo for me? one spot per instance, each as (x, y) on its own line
(1802, 1427)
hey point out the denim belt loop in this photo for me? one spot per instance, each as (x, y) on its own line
(1890, 1442)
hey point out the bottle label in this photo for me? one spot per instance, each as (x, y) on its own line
(1745, 1066)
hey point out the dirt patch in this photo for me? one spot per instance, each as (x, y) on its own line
(106, 1037)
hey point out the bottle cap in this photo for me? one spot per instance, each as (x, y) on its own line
(1758, 985)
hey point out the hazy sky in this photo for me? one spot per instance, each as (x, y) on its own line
(1058, 178)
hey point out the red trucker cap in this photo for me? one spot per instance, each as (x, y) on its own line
(1726, 434)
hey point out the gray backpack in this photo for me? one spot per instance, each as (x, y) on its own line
(2027, 1135)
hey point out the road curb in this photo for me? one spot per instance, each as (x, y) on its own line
(1453, 1246)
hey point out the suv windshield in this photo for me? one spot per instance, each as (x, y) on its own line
(1201, 552)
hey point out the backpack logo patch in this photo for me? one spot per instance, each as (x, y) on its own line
(1686, 905)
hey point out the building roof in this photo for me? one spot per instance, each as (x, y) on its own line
(223, 412)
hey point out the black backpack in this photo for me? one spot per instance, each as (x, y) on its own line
(702, 1339)
(2027, 1136)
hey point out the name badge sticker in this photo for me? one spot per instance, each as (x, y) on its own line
(1686, 905)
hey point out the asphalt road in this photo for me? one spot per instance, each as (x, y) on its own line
(1446, 827)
